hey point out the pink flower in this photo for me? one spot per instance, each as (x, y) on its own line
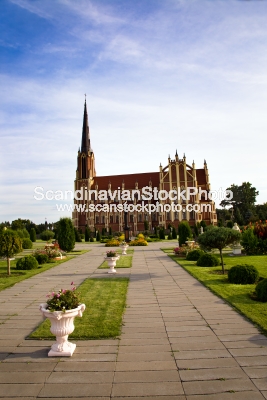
(72, 283)
(74, 288)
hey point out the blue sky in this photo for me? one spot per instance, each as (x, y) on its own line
(159, 76)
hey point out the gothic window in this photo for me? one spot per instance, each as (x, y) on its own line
(111, 219)
(103, 219)
(97, 219)
(131, 218)
(117, 219)
(140, 217)
(168, 216)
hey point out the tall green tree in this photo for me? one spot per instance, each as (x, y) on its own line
(243, 202)
(33, 235)
(66, 234)
(184, 232)
(87, 234)
(218, 238)
(10, 244)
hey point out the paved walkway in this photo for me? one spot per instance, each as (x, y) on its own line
(179, 341)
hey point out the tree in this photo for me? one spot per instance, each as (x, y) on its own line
(33, 235)
(243, 200)
(10, 244)
(174, 233)
(66, 234)
(77, 235)
(87, 234)
(184, 232)
(47, 235)
(218, 238)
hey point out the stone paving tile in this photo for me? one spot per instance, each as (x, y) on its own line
(163, 356)
(249, 351)
(251, 361)
(147, 389)
(145, 349)
(178, 397)
(148, 376)
(212, 374)
(146, 365)
(194, 339)
(264, 393)
(144, 342)
(200, 354)
(197, 346)
(258, 372)
(84, 366)
(207, 363)
(232, 338)
(245, 395)
(217, 386)
(79, 377)
(62, 390)
(19, 390)
(26, 367)
(246, 344)
(261, 383)
(23, 377)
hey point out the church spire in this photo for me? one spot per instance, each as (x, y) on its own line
(85, 147)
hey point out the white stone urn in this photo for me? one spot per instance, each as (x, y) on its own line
(124, 248)
(112, 263)
(62, 326)
(190, 243)
(237, 248)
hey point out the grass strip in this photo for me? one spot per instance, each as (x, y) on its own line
(105, 300)
(123, 262)
(18, 276)
(237, 296)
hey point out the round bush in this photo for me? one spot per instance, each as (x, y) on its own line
(194, 255)
(207, 260)
(243, 274)
(26, 243)
(29, 262)
(41, 258)
(261, 290)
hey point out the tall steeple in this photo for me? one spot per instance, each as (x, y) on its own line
(85, 147)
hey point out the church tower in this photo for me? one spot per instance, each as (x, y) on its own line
(85, 172)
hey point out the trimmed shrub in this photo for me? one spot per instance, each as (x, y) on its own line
(261, 290)
(184, 231)
(170, 236)
(243, 274)
(26, 243)
(41, 258)
(161, 234)
(87, 234)
(98, 236)
(47, 235)
(112, 242)
(77, 235)
(138, 242)
(23, 233)
(92, 239)
(194, 255)
(26, 263)
(207, 260)
(174, 233)
(33, 235)
(66, 234)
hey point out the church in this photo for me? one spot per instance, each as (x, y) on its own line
(179, 191)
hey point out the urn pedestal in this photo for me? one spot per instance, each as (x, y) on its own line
(124, 249)
(111, 263)
(62, 325)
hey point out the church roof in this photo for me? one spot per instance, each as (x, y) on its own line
(85, 146)
(129, 181)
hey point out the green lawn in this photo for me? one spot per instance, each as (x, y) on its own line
(18, 276)
(236, 295)
(105, 300)
(123, 262)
